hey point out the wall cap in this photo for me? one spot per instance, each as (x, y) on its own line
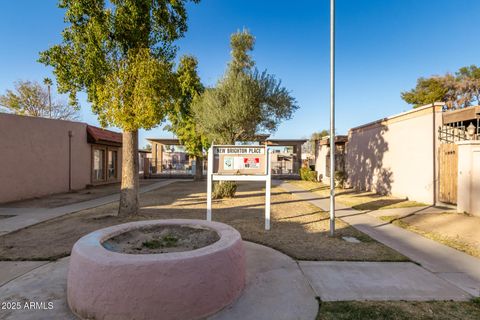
(398, 115)
(468, 143)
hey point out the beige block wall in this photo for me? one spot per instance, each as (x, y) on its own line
(34, 156)
(468, 193)
(397, 155)
(320, 163)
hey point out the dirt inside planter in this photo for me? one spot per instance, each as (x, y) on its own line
(162, 239)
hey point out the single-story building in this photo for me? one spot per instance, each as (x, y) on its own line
(286, 156)
(322, 157)
(40, 156)
(170, 157)
(106, 155)
(397, 155)
(428, 154)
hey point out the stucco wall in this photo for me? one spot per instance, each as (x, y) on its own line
(468, 199)
(320, 162)
(396, 155)
(34, 156)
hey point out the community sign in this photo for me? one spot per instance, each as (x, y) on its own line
(242, 160)
(239, 163)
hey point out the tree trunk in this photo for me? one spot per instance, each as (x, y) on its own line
(198, 169)
(130, 181)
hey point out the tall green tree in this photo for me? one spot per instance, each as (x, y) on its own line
(30, 98)
(460, 90)
(120, 53)
(181, 118)
(244, 101)
(427, 90)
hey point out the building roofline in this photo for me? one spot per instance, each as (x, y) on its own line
(288, 140)
(399, 115)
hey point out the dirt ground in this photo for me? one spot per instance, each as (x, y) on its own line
(364, 201)
(66, 198)
(456, 230)
(298, 228)
(161, 239)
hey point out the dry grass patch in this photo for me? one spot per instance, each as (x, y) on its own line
(299, 229)
(457, 231)
(399, 310)
(357, 200)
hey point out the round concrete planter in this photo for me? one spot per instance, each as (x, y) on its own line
(103, 284)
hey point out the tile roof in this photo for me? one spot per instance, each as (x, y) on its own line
(99, 135)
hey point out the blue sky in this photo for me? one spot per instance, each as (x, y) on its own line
(383, 46)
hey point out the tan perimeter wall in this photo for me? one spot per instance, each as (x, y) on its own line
(469, 178)
(396, 155)
(321, 162)
(34, 156)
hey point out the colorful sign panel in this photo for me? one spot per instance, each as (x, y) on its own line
(244, 160)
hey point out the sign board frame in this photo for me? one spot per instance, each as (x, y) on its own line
(266, 176)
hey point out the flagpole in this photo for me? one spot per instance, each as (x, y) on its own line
(332, 117)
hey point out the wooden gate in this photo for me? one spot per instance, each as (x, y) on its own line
(448, 172)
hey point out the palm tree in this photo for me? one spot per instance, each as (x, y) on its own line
(48, 82)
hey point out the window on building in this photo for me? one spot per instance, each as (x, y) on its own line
(98, 164)
(112, 164)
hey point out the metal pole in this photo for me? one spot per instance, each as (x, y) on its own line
(268, 187)
(70, 135)
(332, 117)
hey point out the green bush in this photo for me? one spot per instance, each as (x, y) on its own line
(224, 189)
(307, 174)
(340, 178)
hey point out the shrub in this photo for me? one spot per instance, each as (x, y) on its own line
(307, 174)
(224, 189)
(340, 178)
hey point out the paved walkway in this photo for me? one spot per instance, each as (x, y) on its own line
(458, 268)
(275, 289)
(277, 286)
(384, 281)
(403, 212)
(25, 217)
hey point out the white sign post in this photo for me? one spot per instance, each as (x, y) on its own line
(239, 163)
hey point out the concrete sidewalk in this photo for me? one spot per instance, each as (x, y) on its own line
(277, 286)
(25, 217)
(275, 289)
(458, 268)
(377, 281)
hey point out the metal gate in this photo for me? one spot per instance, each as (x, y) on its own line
(448, 172)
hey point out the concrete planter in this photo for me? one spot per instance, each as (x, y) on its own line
(103, 284)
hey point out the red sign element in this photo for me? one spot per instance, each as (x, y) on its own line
(251, 163)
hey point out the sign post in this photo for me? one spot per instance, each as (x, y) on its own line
(239, 163)
(209, 184)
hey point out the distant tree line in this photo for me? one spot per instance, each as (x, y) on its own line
(459, 90)
(30, 98)
(309, 146)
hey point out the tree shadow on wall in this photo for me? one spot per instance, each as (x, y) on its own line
(365, 168)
